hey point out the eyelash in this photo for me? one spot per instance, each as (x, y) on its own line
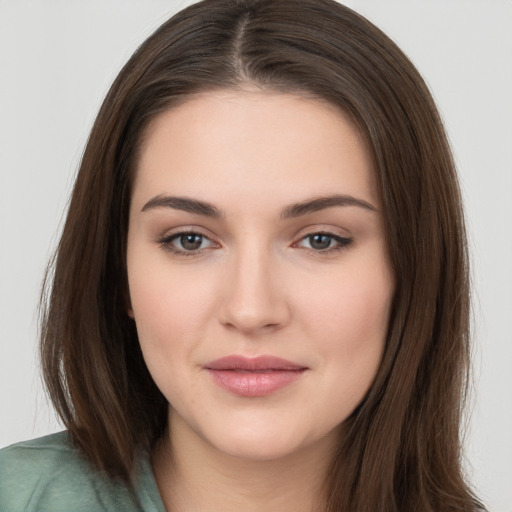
(166, 243)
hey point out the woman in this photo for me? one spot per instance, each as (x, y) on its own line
(260, 297)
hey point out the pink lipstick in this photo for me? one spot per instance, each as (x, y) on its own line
(252, 377)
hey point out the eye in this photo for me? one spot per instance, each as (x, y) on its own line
(186, 243)
(324, 242)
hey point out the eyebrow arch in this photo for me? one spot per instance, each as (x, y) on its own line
(291, 211)
(185, 204)
(321, 203)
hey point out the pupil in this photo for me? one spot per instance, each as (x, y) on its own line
(320, 241)
(191, 241)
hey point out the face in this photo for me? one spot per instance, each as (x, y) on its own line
(258, 273)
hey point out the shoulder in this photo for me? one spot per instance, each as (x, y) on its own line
(49, 474)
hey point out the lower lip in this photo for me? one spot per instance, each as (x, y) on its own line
(253, 383)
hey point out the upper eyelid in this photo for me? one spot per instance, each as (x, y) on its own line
(324, 228)
(199, 231)
(344, 241)
(165, 239)
(185, 231)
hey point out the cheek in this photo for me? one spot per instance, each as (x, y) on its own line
(350, 307)
(355, 341)
(165, 313)
(172, 307)
(349, 321)
(165, 302)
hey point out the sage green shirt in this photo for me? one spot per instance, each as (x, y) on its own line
(49, 475)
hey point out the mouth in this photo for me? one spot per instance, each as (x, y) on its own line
(253, 377)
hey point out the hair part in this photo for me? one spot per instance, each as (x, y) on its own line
(402, 448)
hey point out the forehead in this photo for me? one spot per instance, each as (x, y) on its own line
(250, 141)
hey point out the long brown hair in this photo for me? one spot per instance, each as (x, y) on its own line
(402, 448)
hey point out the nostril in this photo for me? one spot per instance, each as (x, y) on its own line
(253, 321)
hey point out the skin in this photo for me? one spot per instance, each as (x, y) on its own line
(258, 284)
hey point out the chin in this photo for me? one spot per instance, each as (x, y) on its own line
(260, 449)
(262, 442)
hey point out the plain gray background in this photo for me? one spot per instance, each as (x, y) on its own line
(57, 59)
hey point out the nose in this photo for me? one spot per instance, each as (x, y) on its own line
(255, 299)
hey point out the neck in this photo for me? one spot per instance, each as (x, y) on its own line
(194, 476)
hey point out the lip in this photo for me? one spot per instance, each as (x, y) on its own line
(253, 377)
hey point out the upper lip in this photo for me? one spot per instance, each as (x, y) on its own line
(259, 363)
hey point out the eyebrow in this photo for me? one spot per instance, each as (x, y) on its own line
(321, 203)
(294, 210)
(185, 204)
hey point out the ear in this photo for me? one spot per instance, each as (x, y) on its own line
(130, 313)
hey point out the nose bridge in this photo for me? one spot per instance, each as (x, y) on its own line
(253, 298)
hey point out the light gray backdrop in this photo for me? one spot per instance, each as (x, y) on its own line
(57, 59)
